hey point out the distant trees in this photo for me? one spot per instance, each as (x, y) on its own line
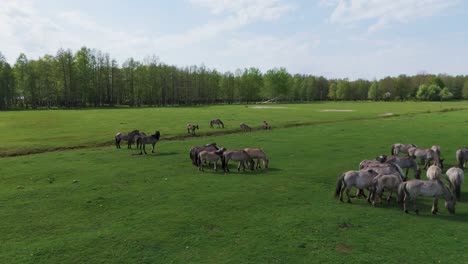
(91, 78)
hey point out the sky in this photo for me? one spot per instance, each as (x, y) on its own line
(334, 38)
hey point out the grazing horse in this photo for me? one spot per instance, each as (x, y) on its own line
(387, 168)
(388, 182)
(259, 154)
(433, 173)
(265, 125)
(127, 137)
(360, 179)
(437, 149)
(194, 151)
(398, 147)
(404, 163)
(426, 155)
(212, 156)
(462, 157)
(410, 190)
(455, 176)
(237, 155)
(191, 129)
(216, 122)
(245, 127)
(144, 140)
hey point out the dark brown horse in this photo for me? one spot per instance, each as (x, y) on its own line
(194, 151)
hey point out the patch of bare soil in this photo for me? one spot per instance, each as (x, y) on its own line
(343, 248)
(337, 110)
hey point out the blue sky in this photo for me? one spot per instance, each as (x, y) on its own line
(338, 39)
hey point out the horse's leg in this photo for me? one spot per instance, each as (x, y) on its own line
(405, 200)
(216, 165)
(434, 206)
(347, 194)
(416, 210)
(342, 190)
(389, 196)
(152, 147)
(144, 148)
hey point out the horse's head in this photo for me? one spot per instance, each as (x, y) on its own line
(196, 127)
(157, 134)
(450, 204)
(441, 164)
(266, 163)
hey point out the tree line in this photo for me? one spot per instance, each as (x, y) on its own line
(91, 78)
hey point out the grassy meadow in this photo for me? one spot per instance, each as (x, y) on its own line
(102, 205)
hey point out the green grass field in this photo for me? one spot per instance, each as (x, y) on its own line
(102, 205)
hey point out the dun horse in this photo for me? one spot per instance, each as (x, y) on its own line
(410, 190)
(216, 122)
(404, 163)
(360, 179)
(194, 151)
(259, 154)
(191, 129)
(426, 155)
(127, 137)
(388, 182)
(401, 148)
(237, 155)
(144, 140)
(433, 173)
(212, 156)
(455, 176)
(462, 157)
(245, 127)
(265, 125)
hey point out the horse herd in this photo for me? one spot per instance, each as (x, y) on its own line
(201, 155)
(243, 126)
(385, 173)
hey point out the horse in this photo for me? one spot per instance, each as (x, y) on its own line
(426, 155)
(398, 147)
(366, 163)
(245, 127)
(462, 157)
(410, 190)
(191, 129)
(433, 173)
(144, 140)
(388, 182)
(387, 168)
(437, 149)
(404, 163)
(455, 176)
(137, 136)
(259, 154)
(265, 125)
(195, 150)
(360, 179)
(212, 156)
(216, 122)
(125, 136)
(237, 155)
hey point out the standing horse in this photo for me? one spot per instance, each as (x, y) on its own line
(360, 179)
(237, 155)
(398, 147)
(265, 125)
(410, 190)
(455, 176)
(194, 151)
(125, 136)
(388, 182)
(144, 140)
(191, 129)
(137, 136)
(462, 157)
(212, 156)
(426, 156)
(433, 173)
(216, 122)
(404, 163)
(437, 149)
(259, 154)
(245, 127)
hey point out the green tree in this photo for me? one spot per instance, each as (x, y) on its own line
(277, 83)
(465, 90)
(373, 93)
(332, 92)
(428, 92)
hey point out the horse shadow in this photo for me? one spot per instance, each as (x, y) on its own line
(158, 154)
(233, 169)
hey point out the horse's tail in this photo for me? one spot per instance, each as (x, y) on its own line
(339, 185)
(457, 190)
(392, 152)
(460, 158)
(117, 140)
(401, 192)
(221, 122)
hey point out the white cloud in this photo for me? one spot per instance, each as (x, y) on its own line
(382, 13)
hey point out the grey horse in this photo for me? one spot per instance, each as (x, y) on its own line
(127, 137)
(404, 163)
(216, 122)
(462, 157)
(455, 176)
(401, 148)
(195, 150)
(237, 155)
(144, 140)
(426, 155)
